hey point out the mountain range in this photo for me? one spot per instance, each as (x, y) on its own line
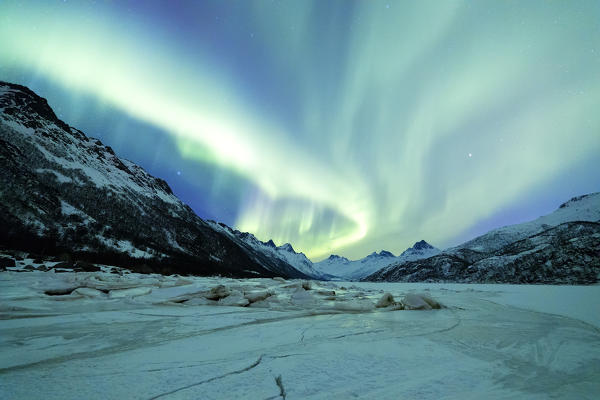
(344, 269)
(559, 248)
(66, 196)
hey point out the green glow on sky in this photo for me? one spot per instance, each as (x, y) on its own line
(412, 121)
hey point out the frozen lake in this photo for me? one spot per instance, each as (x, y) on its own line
(146, 337)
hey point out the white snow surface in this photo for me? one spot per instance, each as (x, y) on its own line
(124, 246)
(169, 337)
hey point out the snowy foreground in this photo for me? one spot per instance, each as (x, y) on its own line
(147, 336)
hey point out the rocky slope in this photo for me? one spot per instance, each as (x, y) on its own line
(66, 195)
(560, 248)
(342, 268)
(284, 252)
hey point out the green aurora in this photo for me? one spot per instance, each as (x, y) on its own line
(352, 125)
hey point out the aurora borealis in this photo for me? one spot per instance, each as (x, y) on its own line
(338, 126)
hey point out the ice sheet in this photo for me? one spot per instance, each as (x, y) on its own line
(327, 342)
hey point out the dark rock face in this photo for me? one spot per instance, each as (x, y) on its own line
(422, 245)
(334, 257)
(64, 193)
(565, 254)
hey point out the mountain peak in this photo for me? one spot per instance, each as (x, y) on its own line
(422, 245)
(382, 253)
(420, 248)
(335, 257)
(577, 199)
(23, 104)
(287, 247)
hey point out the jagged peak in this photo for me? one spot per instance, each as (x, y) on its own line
(28, 102)
(382, 253)
(270, 243)
(417, 248)
(422, 245)
(335, 257)
(286, 247)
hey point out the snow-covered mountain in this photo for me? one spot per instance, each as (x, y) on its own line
(561, 247)
(581, 208)
(342, 268)
(66, 195)
(421, 249)
(284, 252)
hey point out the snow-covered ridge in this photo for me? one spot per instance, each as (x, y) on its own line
(284, 252)
(335, 267)
(72, 156)
(558, 248)
(342, 268)
(580, 208)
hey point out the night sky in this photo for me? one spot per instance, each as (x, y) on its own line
(338, 126)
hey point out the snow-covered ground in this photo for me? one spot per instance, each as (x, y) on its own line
(136, 336)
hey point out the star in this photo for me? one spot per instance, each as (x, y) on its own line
(470, 155)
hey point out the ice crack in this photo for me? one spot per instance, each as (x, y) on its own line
(239, 371)
(282, 394)
(279, 383)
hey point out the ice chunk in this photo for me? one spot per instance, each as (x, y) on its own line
(415, 302)
(174, 283)
(89, 292)
(272, 302)
(234, 299)
(133, 292)
(256, 296)
(294, 285)
(385, 301)
(218, 292)
(432, 303)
